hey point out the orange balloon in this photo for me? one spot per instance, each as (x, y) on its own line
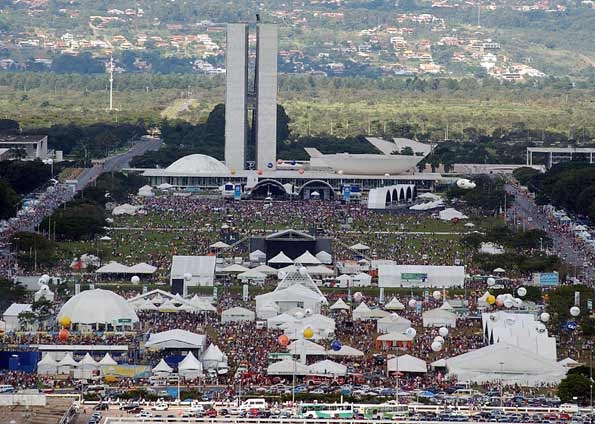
(63, 334)
(301, 171)
(259, 172)
(283, 340)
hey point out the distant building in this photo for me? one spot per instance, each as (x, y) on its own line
(31, 146)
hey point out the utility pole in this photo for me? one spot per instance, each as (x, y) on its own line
(111, 83)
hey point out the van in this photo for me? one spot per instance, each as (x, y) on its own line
(465, 393)
(258, 403)
(571, 408)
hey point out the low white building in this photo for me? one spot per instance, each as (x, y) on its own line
(420, 276)
(192, 271)
(11, 315)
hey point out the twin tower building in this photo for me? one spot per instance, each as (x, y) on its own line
(244, 102)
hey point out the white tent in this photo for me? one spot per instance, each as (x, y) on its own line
(501, 362)
(361, 280)
(287, 367)
(257, 256)
(147, 305)
(447, 306)
(376, 314)
(307, 258)
(234, 269)
(340, 305)
(265, 269)
(107, 361)
(279, 320)
(361, 312)
(306, 347)
(426, 206)
(113, 267)
(142, 268)
(323, 327)
(286, 299)
(237, 314)
(407, 363)
(440, 363)
(252, 275)
(281, 258)
(200, 268)
(45, 293)
(88, 362)
(392, 324)
(212, 357)
(327, 368)
(176, 339)
(439, 318)
(324, 257)
(359, 246)
(126, 209)
(219, 245)
(345, 351)
(568, 363)
(449, 214)
(168, 306)
(394, 305)
(420, 276)
(66, 364)
(190, 367)
(47, 365)
(320, 270)
(162, 368)
(287, 270)
(146, 191)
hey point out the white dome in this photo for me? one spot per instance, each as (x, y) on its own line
(98, 306)
(197, 164)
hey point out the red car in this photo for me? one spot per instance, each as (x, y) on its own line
(211, 413)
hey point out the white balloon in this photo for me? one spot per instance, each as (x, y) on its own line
(491, 281)
(436, 346)
(508, 296)
(466, 184)
(411, 332)
(135, 279)
(46, 278)
(187, 276)
(298, 315)
(500, 297)
(308, 312)
(544, 317)
(439, 339)
(443, 331)
(394, 315)
(517, 302)
(522, 291)
(358, 296)
(412, 303)
(508, 303)
(437, 295)
(575, 311)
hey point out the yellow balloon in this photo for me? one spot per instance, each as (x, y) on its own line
(491, 299)
(308, 333)
(65, 321)
(233, 172)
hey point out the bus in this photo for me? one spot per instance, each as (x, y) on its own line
(325, 410)
(383, 411)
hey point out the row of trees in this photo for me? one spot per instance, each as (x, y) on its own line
(569, 185)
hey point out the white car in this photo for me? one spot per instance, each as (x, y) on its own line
(144, 414)
(162, 406)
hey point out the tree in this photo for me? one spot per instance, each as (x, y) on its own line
(27, 319)
(8, 200)
(574, 385)
(11, 293)
(42, 308)
(33, 247)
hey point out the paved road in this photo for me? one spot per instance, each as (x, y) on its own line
(117, 162)
(526, 213)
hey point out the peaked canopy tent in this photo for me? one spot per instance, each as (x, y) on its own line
(265, 269)
(320, 270)
(307, 258)
(252, 275)
(234, 269)
(394, 305)
(143, 268)
(359, 247)
(361, 311)
(278, 321)
(107, 361)
(392, 324)
(306, 347)
(361, 280)
(257, 256)
(391, 340)
(67, 364)
(340, 305)
(237, 314)
(281, 259)
(190, 367)
(288, 367)
(345, 351)
(162, 368)
(450, 214)
(47, 365)
(505, 363)
(327, 368)
(323, 327)
(113, 267)
(407, 363)
(324, 257)
(176, 339)
(439, 318)
(213, 357)
(219, 245)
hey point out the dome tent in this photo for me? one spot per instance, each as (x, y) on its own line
(198, 164)
(99, 309)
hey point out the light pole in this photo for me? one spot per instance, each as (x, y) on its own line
(50, 162)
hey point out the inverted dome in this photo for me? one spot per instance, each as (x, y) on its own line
(98, 307)
(197, 164)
